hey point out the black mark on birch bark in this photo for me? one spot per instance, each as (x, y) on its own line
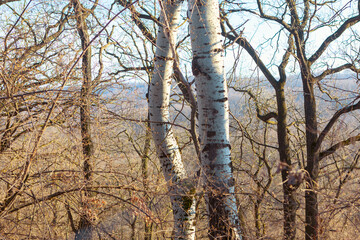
(196, 69)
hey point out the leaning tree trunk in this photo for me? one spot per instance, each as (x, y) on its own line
(85, 228)
(180, 189)
(212, 96)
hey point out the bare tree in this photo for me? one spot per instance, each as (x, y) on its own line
(23, 74)
(290, 203)
(75, 143)
(299, 28)
(87, 220)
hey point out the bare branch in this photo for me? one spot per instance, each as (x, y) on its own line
(135, 16)
(306, 13)
(272, 18)
(347, 24)
(333, 121)
(266, 117)
(7, 1)
(336, 70)
(128, 69)
(71, 219)
(242, 41)
(16, 189)
(285, 59)
(338, 145)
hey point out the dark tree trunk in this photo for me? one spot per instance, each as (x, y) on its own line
(144, 171)
(85, 230)
(312, 168)
(290, 204)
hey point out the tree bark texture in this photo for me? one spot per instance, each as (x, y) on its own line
(212, 97)
(290, 204)
(312, 167)
(180, 187)
(85, 229)
(148, 226)
(312, 161)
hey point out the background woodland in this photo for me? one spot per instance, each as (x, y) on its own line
(79, 149)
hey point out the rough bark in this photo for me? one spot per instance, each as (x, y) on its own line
(290, 204)
(212, 96)
(144, 172)
(311, 126)
(85, 228)
(312, 162)
(312, 167)
(180, 188)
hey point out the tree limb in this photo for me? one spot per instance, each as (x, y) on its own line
(338, 145)
(242, 41)
(264, 117)
(336, 70)
(272, 18)
(347, 24)
(333, 121)
(135, 16)
(7, 1)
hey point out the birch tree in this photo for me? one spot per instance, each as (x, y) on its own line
(180, 187)
(212, 99)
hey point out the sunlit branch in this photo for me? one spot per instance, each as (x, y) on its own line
(339, 145)
(332, 122)
(336, 70)
(272, 18)
(347, 24)
(242, 41)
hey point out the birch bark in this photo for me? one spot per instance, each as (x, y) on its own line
(212, 98)
(180, 188)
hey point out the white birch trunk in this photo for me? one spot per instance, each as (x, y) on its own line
(181, 194)
(212, 97)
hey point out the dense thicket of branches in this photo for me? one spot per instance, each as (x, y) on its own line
(94, 93)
